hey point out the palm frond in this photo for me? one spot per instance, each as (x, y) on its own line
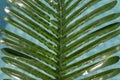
(61, 35)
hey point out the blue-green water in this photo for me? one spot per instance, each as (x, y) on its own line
(114, 41)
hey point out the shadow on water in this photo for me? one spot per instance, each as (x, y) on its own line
(3, 3)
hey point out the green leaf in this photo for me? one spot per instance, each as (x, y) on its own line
(104, 75)
(20, 56)
(27, 68)
(100, 55)
(60, 36)
(93, 67)
(16, 74)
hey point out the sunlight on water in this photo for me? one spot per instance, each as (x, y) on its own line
(50, 24)
(101, 78)
(118, 48)
(7, 10)
(20, 4)
(1, 41)
(6, 18)
(85, 73)
(97, 66)
(16, 78)
(10, 0)
(51, 0)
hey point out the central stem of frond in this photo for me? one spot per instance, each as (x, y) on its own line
(61, 40)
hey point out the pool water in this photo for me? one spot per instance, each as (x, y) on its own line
(3, 24)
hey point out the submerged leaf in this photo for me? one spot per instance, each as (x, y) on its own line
(104, 75)
(60, 35)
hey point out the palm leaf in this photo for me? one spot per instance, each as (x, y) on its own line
(61, 37)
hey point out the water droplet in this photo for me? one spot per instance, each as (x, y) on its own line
(6, 9)
(10, 1)
(118, 48)
(17, 78)
(1, 41)
(101, 78)
(86, 72)
(20, 4)
(96, 67)
(6, 18)
(51, 0)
